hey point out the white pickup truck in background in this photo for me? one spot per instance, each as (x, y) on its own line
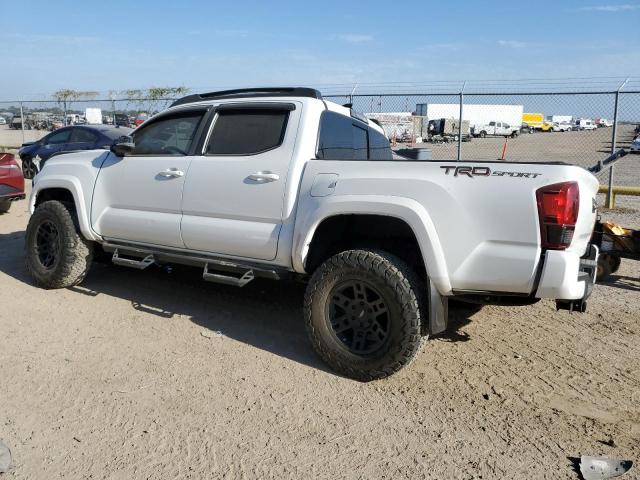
(279, 183)
(496, 129)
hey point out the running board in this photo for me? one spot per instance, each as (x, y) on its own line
(127, 262)
(227, 279)
(227, 271)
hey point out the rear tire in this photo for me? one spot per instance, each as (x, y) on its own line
(607, 264)
(483, 134)
(364, 313)
(5, 205)
(57, 255)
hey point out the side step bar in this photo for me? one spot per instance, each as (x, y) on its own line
(227, 279)
(216, 269)
(128, 262)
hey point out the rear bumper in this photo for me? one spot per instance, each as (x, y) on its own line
(568, 277)
(9, 192)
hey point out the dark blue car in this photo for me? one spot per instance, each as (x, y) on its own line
(67, 139)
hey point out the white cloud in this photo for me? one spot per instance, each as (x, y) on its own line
(355, 38)
(610, 8)
(512, 44)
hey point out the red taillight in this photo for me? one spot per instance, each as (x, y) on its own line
(558, 212)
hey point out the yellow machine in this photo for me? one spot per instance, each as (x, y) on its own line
(547, 127)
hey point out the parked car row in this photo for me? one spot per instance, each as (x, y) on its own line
(66, 139)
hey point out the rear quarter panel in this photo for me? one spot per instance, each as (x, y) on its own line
(482, 232)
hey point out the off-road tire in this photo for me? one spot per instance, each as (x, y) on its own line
(74, 253)
(5, 205)
(398, 283)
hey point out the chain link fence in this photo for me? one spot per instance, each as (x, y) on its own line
(578, 127)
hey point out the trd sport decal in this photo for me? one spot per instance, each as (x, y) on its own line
(485, 172)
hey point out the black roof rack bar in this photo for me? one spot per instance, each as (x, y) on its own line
(251, 92)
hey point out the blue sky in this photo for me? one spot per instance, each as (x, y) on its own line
(118, 44)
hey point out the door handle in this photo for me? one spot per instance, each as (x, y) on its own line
(264, 177)
(171, 173)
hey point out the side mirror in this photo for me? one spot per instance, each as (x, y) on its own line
(123, 145)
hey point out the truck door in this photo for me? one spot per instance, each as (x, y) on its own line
(138, 197)
(234, 192)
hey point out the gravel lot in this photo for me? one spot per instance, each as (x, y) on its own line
(159, 375)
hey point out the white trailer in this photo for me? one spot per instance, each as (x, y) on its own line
(93, 116)
(476, 114)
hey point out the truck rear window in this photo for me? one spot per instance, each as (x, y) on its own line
(343, 138)
(247, 132)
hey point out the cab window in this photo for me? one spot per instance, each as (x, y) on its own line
(168, 135)
(247, 131)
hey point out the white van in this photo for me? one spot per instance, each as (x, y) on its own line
(586, 124)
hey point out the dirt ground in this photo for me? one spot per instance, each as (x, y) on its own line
(156, 374)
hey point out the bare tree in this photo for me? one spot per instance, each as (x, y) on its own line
(66, 97)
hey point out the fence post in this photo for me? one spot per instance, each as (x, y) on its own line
(23, 120)
(610, 197)
(460, 122)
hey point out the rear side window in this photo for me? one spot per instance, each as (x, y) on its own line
(59, 137)
(247, 132)
(342, 138)
(336, 137)
(360, 143)
(80, 135)
(379, 148)
(170, 135)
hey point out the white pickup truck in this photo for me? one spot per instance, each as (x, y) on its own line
(279, 183)
(501, 129)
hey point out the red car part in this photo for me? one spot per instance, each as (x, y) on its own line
(11, 178)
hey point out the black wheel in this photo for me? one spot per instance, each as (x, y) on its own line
(514, 134)
(363, 313)
(57, 256)
(604, 268)
(483, 134)
(614, 261)
(5, 205)
(29, 169)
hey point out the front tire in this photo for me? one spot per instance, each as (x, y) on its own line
(5, 205)
(364, 313)
(57, 255)
(29, 169)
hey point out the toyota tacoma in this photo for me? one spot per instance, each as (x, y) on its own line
(280, 183)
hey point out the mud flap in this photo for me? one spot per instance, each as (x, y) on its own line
(438, 310)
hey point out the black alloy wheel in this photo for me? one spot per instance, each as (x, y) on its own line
(47, 244)
(358, 316)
